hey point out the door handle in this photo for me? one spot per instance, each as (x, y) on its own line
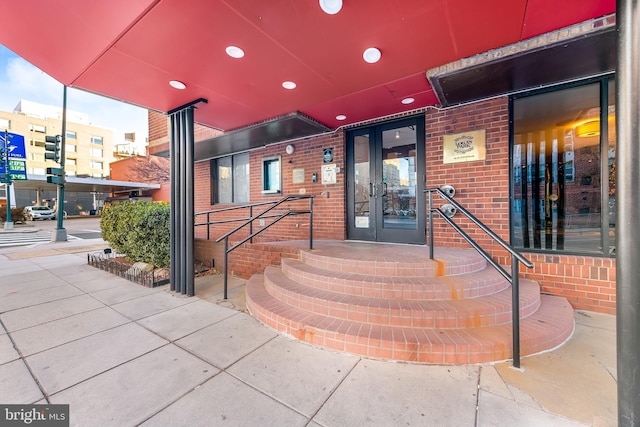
(384, 185)
(371, 190)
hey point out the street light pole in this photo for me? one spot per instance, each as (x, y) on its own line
(8, 224)
(60, 234)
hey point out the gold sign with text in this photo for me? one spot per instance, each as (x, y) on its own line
(464, 147)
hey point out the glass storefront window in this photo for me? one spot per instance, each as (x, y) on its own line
(563, 170)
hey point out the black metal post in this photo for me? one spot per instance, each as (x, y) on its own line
(627, 212)
(251, 223)
(311, 223)
(8, 224)
(188, 123)
(226, 265)
(430, 225)
(184, 266)
(174, 149)
(515, 309)
(60, 234)
(182, 199)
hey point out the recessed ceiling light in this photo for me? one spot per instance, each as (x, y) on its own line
(341, 117)
(331, 7)
(288, 85)
(234, 51)
(408, 101)
(177, 84)
(372, 55)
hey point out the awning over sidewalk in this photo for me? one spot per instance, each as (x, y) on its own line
(85, 185)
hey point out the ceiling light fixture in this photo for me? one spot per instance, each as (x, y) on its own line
(234, 52)
(397, 134)
(407, 101)
(177, 84)
(331, 7)
(288, 85)
(341, 117)
(588, 129)
(372, 55)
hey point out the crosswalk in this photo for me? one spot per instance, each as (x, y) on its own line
(23, 239)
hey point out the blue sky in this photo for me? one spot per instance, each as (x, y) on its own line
(21, 80)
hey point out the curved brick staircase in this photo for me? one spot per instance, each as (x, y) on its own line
(393, 302)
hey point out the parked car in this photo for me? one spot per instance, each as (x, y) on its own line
(39, 212)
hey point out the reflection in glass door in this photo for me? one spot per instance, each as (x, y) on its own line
(385, 180)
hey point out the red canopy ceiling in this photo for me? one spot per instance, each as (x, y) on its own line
(131, 49)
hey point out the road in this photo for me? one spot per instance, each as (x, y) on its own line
(77, 228)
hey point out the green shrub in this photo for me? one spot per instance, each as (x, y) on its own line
(140, 230)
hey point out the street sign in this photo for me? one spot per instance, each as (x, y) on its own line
(15, 147)
(55, 179)
(17, 169)
(54, 171)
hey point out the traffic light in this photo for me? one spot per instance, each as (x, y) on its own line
(52, 148)
(55, 176)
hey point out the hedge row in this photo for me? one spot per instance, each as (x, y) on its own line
(140, 230)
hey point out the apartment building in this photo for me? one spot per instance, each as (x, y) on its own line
(89, 149)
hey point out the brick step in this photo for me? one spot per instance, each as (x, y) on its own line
(471, 285)
(393, 260)
(545, 329)
(489, 310)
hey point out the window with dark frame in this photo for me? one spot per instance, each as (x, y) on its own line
(230, 179)
(271, 176)
(563, 148)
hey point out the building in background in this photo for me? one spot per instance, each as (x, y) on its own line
(89, 151)
(149, 169)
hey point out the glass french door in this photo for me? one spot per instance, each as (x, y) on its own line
(385, 182)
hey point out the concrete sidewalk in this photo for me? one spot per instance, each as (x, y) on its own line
(121, 354)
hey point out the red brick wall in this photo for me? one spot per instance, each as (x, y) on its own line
(328, 204)
(158, 126)
(589, 283)
(150, 169)
(482, 187)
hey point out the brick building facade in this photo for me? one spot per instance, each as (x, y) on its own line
(482, 187)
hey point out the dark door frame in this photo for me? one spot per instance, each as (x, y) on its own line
(375, 230)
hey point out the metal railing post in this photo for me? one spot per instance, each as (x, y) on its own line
(430, 225)
(251, 223)
(208, 226)
(515, 309)
(226, 265)
(311, 223)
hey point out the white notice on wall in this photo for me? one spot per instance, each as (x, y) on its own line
(329, 174)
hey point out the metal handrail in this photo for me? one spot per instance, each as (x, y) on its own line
(248, 221)
(516, 258)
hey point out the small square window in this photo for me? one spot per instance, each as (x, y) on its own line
(271, 177)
